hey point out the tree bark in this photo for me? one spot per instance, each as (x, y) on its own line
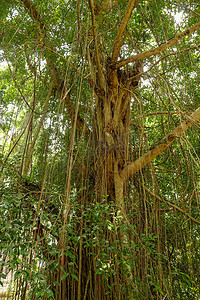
(57, 80)
(141, 162)
(159, 49)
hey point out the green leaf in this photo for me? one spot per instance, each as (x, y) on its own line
(3, 276)
(64, 276)
(42, 293)
(74, 276)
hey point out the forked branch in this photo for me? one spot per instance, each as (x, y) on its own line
(160, 48)
(131, 5)
(142, 161)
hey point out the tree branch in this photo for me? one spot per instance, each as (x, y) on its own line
(170, 204)
(57, 81)
(142, 161)
(160, 48)
(131, 5)
(28, 158)
(95, 44)
(153, 114)
(35, 15)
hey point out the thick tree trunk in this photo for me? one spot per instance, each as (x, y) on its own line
(113, 121)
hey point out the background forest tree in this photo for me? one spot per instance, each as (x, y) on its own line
(99, 153)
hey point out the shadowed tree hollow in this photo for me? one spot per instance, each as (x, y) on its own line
(99, 151)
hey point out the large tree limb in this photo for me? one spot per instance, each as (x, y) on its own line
(131, 5)
(160, 48)
(56, 79)
(142, 161)
(91, 3)
(35, 15)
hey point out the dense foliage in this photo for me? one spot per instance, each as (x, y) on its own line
(81, 99)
